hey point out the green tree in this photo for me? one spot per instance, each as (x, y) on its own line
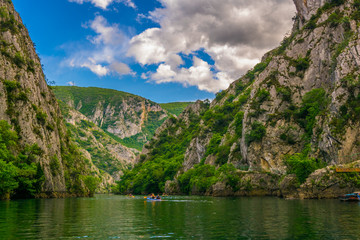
(91, 183)
(8, 183)
(302, 166)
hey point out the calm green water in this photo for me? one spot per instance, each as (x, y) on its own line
(119, 217)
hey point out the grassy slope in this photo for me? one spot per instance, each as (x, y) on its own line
(175, 107)
(91, 96)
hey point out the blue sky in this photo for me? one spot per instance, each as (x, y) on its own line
(164, 50)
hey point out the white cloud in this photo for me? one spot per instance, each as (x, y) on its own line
(108, 35)
(121, 68)
(146, 48)
(129, 3)
(235, 33)
(98, 69)
(105, 3)
(144, 76)
(107, 46)
(164, 74)
(71, 83)
(199, 75)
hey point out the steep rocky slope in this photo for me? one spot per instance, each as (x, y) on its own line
(295, 112)
(39, 158)
(106, 153)
(130, 119)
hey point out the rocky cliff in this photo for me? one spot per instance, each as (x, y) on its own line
(40, 153)
(295, 112)
(106, 153)
(130, 119)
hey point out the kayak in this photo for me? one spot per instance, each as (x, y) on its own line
(153, 199)
(350, 197)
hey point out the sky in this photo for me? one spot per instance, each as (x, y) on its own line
(163, 50)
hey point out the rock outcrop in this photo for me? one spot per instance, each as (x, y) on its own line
(307, 8)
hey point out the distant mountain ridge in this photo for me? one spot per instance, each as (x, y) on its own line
(130, 119)
(111, 126)
(175, 108)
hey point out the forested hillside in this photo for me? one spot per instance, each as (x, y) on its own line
(267, 134)
(175, 107)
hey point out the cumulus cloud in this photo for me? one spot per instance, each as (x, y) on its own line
(102, 57)
(98, 69)
(105, 3)
(106, 34)
(71, 83)
(235, 33)
(199, 74)
(121, 68)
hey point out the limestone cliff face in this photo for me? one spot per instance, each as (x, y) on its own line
(329, 51)
(104, 152)
(124, 115)
(329, 56)
(28, 104)
(307, 8)
(304, 97)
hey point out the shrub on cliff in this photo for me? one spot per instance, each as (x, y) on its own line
(19, 174)
(258, 131)
(314, 103)
(302, 166)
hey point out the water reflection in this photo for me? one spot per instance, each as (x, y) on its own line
(111, 217)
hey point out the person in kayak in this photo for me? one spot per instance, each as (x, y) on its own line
(158, 197)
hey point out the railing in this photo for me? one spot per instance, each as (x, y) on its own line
(344, 170)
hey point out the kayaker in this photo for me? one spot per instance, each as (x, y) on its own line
(158, 197)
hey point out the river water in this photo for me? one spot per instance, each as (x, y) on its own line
(120, 217)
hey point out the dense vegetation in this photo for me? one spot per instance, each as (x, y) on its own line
(200, 178)
(94, 140)
(175, 107)
(302, 166)
(20, 174)
(164, 161)
(168, 149)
